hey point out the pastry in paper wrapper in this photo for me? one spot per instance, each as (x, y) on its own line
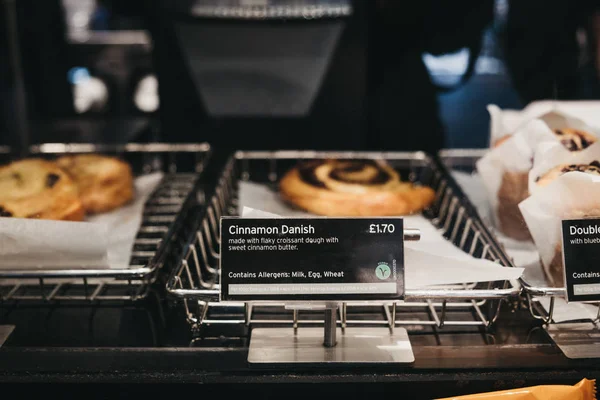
(556, 115)
(505, 169)
(584, 390)
(572, 195)
(552, 159)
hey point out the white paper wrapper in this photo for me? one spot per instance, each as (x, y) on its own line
(549, 155)
(33, 244)
(587, 112)
(503, 122)
(431, 261)
(556, 114)
(515, 155)
(103, 241)
(561, 199)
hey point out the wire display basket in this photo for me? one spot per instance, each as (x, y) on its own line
(195, 281)
(159, 237)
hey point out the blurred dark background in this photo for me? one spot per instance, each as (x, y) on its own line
(321, 74)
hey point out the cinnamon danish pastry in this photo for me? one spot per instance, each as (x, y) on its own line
(352, 188)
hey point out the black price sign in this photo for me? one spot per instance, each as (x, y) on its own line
(312, 259)
(581, 258)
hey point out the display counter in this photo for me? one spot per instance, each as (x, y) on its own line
(465, 337)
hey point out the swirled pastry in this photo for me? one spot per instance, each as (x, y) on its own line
(104, 183)
(35, 188)
(352, 188)
(591, 168)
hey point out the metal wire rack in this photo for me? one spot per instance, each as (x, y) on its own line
(533, 291)
(159, 236)
(196, 280)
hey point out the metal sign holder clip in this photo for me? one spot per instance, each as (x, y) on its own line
(331, 344)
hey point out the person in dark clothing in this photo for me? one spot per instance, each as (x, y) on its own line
(551, 49)
(407, 115)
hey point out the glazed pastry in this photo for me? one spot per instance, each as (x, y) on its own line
(35, 188)
(352, 188)
(514, 186)
(104, 183)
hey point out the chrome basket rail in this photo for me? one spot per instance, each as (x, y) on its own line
(158, 236)
(196, 280)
